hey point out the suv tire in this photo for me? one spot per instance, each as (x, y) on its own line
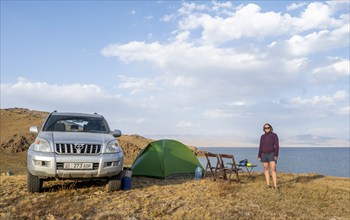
(114, 184)
(34, 183)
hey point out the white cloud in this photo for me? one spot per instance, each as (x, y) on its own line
(183, 110)
(339, 68)
(344, 110)
(135, 51)
(182, 81)
(332, 72)
(295, 65)
(136, 84)
(71, 92)
(219, 113)
(27, 91)
(316, 15)
(319, 41)
(238, 103)
(221, 5)
(295, 6)
(188, 8)
(320, 100)
(245, 21)
(249, 21)
(182, 37)
(176, 56)
(141, 120)
(185, 124)
(168, 18)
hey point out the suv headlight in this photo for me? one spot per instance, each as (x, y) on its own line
(113, 147)
(42, 145)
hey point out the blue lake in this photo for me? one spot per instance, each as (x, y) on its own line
(331, 161)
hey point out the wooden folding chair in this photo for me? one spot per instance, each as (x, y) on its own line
(231, 167)
(210, 167)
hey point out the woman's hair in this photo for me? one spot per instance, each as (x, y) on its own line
(267, 124)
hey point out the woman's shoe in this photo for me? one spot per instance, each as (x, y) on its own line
(276, 188)
(268, 187)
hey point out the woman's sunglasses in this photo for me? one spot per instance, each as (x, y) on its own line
(266, 128)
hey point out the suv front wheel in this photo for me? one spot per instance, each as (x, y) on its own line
(114, 183)
(34, 183)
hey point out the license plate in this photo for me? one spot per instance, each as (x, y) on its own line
(78, 166)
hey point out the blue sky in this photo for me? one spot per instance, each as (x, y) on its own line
(208, 73)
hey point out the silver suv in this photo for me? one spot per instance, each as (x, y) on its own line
(74, 146)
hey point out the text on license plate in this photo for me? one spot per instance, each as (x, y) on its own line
(78, 166)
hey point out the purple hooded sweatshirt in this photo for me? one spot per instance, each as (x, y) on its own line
(269, 143)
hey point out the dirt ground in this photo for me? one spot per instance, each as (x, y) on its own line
(14, 164)
(309, 196)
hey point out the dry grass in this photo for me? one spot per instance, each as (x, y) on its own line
(309, 196)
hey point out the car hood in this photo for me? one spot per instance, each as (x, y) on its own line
(77, 137)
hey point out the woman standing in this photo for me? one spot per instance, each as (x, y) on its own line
(268, 154)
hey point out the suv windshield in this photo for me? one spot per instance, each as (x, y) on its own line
(65, 123)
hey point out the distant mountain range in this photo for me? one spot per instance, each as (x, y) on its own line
(317, 141)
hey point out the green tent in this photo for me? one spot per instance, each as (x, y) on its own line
(165, 158)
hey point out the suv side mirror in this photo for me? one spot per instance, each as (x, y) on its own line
(116, 133)
(33, 129)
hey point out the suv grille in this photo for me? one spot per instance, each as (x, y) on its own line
(88, 149)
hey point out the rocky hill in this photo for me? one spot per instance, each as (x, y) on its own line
(15, 136)
(14, 126)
